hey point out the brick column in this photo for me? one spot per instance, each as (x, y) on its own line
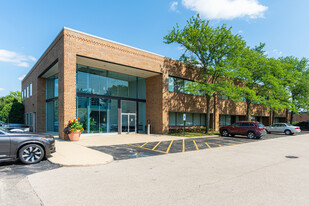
(67, 88)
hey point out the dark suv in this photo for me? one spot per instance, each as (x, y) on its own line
(249, 129)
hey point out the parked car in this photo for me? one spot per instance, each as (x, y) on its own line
(29, 148)
(303, 125)
(285, 128)
(249, 129)
(17, 127)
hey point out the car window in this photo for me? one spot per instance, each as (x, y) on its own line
(236, 125)
(4, 130)
(260, 125)
(274, 125)
(281, 125)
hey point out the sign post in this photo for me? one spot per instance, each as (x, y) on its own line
(184, 123)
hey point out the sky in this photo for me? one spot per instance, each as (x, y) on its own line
(27, 28)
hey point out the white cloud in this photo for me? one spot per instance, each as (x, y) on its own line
(277, 53)
(21, 78)
(2, 89)
(15, 58)
(226, 9)
(174, 6)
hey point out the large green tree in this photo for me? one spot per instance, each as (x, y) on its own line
(296, 82)
(208, 50)
(11, 108)
(249, 72)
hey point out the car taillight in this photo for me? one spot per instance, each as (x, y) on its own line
(297, 128)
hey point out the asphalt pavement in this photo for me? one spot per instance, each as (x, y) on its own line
(148, 149)
(14, 186)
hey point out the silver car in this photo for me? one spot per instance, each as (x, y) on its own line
(29, 148)
(285, 128)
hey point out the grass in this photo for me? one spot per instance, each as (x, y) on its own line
(193, 134)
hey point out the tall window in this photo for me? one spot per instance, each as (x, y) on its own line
(52, 103)
(30, 87)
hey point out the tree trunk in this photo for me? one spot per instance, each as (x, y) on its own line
(248, 110)
(207, 113)
(291, 118)
(273, 116)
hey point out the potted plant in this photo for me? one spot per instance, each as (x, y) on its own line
(74, 129)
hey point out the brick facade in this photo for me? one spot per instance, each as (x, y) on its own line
(159, 101)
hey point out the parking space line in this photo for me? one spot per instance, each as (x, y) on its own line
(220, 145)
(196, 145)
(144, 144)
(208, 145)
(146, 148)
(156, 146)
(169, 147)
(183, 145)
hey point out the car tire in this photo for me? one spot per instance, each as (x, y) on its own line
(288, 132)
(31, 154)
(225, 133)
(251, 135)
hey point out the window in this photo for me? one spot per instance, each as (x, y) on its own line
(222, 96)
(30, 89)
(224, 120)
(25, 94)
(22, 95)
(180, 85)
(108, 83)
(192, 119)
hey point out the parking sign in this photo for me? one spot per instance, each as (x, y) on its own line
(184, 117)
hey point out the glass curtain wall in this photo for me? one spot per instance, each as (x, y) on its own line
(52, 104)
(100, 91)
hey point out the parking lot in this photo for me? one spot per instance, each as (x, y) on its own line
(146, 149)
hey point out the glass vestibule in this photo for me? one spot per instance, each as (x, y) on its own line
(99, 95)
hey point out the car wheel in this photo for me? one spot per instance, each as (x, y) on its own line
(251, 135)
(288, 132)
(31, 154)
(225, 133)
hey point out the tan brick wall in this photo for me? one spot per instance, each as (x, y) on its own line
(37, 103)
(160, 101)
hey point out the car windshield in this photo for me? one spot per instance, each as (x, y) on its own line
(5, 130)
(260, 125)
(289, 125)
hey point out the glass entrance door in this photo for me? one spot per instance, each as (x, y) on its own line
(128, 123)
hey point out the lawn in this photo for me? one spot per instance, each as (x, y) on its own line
(193, 134)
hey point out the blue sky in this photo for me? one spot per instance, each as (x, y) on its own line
(29, 27)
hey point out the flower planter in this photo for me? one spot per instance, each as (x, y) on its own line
(74, 136)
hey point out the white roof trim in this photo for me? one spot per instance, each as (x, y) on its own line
(111, 41)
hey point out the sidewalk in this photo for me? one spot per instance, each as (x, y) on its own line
(71, 154)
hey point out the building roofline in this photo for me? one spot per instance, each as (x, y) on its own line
(97, 37)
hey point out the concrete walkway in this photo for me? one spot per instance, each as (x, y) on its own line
(71, 154)
(248, 174)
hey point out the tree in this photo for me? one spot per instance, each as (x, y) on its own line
(249, 71)
(11, 108)
(296, 82)
(208, 51)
